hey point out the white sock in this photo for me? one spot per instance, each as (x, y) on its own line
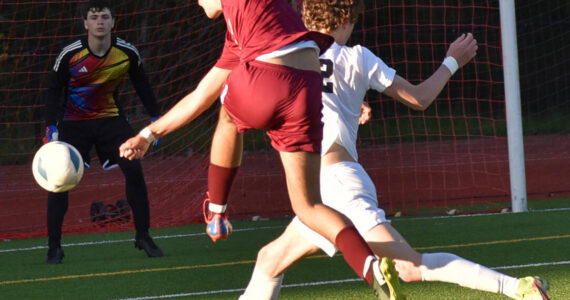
(262, 287)
(447, 267)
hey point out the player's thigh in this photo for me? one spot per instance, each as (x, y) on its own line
(302, 176)
(227, 143)
(79, 134)
(385, 240)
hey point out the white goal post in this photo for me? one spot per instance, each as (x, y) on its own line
(513, 106)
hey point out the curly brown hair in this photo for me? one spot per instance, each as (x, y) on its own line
(328, 15)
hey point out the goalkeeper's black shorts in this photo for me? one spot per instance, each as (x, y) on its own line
(106, 134)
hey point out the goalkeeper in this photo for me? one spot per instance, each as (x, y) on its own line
(348, 73)
(89, 72)
(268, 76)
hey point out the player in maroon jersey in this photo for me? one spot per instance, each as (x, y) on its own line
(268, 77)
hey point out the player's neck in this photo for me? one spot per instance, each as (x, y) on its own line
(99, 45)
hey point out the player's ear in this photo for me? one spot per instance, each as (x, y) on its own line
(85, 24)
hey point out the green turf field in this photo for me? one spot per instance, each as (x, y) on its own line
(107, 266)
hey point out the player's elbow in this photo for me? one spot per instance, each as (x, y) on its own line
(418, 98)
(420, 103)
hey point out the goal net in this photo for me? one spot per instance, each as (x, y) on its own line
(454, 153)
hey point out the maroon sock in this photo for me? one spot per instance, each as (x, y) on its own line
(220, 181)
(355, 251)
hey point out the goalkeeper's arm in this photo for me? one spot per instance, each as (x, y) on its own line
(53, 106)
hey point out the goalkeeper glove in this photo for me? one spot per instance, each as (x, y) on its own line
(158, 141)
(51, 134)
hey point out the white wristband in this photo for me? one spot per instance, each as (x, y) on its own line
(147, 134)
(451, 64)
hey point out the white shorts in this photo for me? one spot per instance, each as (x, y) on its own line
(346, 187)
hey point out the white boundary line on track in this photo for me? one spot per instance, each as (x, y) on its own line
(250, 229)
(567, 262)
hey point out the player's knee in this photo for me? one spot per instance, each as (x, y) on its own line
(266, 260)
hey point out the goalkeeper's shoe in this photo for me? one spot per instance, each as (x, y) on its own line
(54, 255)
(217, 224)
(532, 288)
(386, 282)
(145, 242)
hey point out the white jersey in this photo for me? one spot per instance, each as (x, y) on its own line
(348, 72)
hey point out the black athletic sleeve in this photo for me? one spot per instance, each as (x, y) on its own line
(53, 100)
(142, 86)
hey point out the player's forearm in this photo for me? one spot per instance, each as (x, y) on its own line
(191, 106)
(184, 112)
(146, 94)
(52, 106)
(428, 90)
(420, 96)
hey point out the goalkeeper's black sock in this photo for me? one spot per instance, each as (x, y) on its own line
(56, 208)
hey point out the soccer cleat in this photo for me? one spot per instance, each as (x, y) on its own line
(386, 282)
(54, 255)
(532, 288)
(217, 224)
(147, 244)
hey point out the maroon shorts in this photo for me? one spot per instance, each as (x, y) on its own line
(283, 100)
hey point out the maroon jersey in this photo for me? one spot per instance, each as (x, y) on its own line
(256, 27)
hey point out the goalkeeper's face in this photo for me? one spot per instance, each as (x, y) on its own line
(212, 8)
(99, 23)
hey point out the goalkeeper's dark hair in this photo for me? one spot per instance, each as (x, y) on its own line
(328, 15)
(96, 6)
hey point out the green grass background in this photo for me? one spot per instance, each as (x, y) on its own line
(109, 267)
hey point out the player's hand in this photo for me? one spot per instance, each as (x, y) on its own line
(134, 148)
(51, 134)
(158, 141)
(365, 113)
(463, 49)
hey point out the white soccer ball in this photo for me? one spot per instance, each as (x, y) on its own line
(57, 167)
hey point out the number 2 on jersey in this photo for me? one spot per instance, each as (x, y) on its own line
(326, 72)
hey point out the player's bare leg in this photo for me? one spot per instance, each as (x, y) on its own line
(225, 159)
(441, 266)
(284, 251)
(302, 176)
(272, 260)
(227, 143)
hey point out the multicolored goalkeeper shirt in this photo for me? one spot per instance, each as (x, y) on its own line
(91, 82)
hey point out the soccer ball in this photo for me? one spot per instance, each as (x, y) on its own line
(57, 167)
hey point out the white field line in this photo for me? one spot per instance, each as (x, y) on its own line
(248, 229)
(105, 242)
(481, 215)
(304, 284)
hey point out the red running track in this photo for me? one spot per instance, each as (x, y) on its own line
(427, 174)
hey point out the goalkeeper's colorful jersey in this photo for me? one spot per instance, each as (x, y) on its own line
(90, 82)
(259, 27)
(348, 73)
